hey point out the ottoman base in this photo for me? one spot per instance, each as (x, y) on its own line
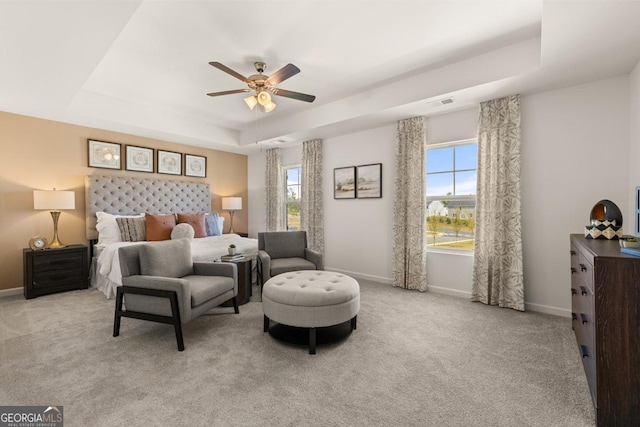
(310, 337)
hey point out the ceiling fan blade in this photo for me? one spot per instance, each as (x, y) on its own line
(228, 70)
(228, 92)
(282, 74)
(295, 95)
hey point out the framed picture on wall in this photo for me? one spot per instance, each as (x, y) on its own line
(139, 159)
(369, 179)
(195, 166)
(344, 183)
(104, 154)
(169, 162)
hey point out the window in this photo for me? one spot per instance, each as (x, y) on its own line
(451, 195)
(293, 182)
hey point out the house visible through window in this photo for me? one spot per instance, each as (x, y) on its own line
(451, 195)
(293, 183)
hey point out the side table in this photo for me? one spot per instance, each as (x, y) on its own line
(244, 281)
(48, 271)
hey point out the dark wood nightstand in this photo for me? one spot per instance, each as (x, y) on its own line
(49, 271)
(242, 234)
(244, 281)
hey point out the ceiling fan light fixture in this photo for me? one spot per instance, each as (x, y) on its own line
(269, 107)
(264, 98)
(251, 102)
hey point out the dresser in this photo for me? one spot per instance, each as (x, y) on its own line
(55, 270)
(605, 306)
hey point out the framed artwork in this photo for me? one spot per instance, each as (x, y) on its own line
(169, 162)
(195, 166)
(139, 159)
(344, 180)
(104, 154)
(369, 178)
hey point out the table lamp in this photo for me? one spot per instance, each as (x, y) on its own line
(54, 201)
(231, 204)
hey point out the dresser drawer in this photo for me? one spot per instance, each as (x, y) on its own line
(52, 279)
(58, 261)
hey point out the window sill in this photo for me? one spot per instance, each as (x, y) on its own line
(449, 252)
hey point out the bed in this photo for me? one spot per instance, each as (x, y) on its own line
(117, 195)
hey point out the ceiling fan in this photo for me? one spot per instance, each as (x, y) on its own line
(263, 85)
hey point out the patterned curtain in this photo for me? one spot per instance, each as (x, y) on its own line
(274, 197)
(409, 212)
(311, 202)
(497, 266)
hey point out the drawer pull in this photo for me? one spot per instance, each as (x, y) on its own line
(584, 318)
(573, 253)
(585, 351)
(583, 267)
(573, 291)
(583, 290)
(573, 270)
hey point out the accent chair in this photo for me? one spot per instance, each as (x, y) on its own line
(283, 251)
(161, 283)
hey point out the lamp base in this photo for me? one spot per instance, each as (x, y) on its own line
(231, 222)
(55, 243)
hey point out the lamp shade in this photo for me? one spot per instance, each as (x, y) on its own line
(54, 200)
(231, 203)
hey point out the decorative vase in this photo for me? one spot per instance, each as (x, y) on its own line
(232, 251)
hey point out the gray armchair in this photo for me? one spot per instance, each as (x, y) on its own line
(282, 251)
(161, 283)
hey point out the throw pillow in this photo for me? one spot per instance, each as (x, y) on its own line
(132, 229)
(107, 227)
(170, 258)
(182, 231)
(159, 227)
(196, 221)
(212, 222)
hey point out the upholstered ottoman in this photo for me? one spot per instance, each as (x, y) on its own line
(311, 299)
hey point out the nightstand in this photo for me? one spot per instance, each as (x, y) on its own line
(244, 281)
(49, 271)
(242, 234)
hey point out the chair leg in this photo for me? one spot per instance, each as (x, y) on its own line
(118, 313)
(266, 324)
(235, 304)
(312, 340)
(177, 324)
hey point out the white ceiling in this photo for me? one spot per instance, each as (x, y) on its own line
(141, 67)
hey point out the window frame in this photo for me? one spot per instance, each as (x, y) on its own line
(285, 170)
(429, 199)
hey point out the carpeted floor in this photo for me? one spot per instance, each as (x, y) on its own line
(415, 360)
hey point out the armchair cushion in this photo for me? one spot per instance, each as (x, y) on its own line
(286, 244)
(205, 288)
(169, 258)
(283, 265)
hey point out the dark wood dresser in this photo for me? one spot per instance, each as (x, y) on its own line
(55, 270)
(605, 305)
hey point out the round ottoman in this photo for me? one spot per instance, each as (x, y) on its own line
(311, 299)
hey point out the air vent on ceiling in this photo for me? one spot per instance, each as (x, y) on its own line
(441, 102)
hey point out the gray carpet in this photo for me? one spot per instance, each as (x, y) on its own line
(415, 360)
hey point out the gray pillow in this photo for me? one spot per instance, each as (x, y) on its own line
(166, 258)
(182, 231)
(285, 244)
(132, 229)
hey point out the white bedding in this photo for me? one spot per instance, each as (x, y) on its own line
(106, 272)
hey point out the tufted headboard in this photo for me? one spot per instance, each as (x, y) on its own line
(128, 196)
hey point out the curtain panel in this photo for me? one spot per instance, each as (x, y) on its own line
(497, 268)
(274, 191)
(409, 211)
(311, 201)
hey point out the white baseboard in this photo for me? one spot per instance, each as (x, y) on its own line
(363, 276)
(10, 292)
(449, 291)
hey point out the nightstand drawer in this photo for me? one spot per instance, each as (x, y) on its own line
(57, 278)
(58, 261)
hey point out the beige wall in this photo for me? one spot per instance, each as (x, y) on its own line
(40, 154)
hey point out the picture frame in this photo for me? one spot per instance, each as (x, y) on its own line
(369, 179)
(195, 166)
(344, 180)
(169, 162)
(139, 159)
(102, 154)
